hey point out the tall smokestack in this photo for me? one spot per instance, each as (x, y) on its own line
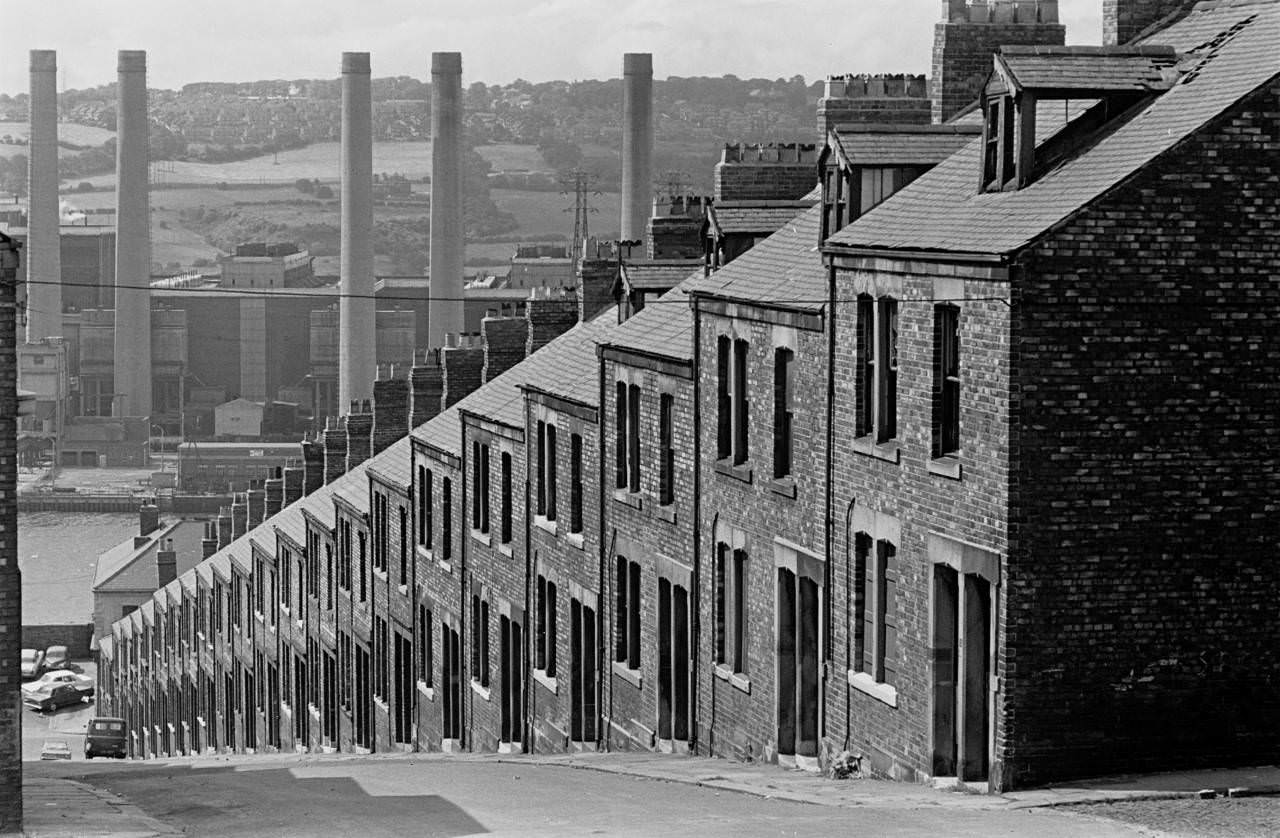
(444, 311)
(357, 344)
(44, 253)
(133, 240)
(637, 143)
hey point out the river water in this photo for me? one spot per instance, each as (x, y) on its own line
(57, 553)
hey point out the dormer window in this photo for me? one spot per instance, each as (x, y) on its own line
(1111, 81)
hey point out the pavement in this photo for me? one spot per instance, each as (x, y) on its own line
(57, 806)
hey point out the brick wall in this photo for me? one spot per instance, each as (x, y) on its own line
(774, 171)
(895, 98)
(359, 425)
(895, 483)
(1143, 541)
(390, 410)
(504, 340)
(570, 562)
(10, 576)
(637, 528)
(962, 59)
(494, 571)
(550, 313)
(463, 368)
(426, 389)
(745, 507)
(1123, 20)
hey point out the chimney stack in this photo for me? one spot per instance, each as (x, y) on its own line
(969, 34)
(273, 488)
(166, 563)
(359, 433)
(444, 312)
(239, 515)
(504, 340)
(209, 544)
(294, 480)
(224, 526)
(313, 465)
(133, 240)
(148, 518)
(426, 388)
(256, 499)
(637, 143)
(595, 286)
(390, 410)
(1124, 20)
(357, 343)
(335, 448)
(44, 249)
(462, 359)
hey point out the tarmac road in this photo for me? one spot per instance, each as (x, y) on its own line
(292, 795)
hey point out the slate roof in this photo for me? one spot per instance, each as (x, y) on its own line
(572, 371)
(943, 211)
(664, 327)
(783, 271)
(1088, 69)
(903, 145)
(758, 217)
(501, 399)
(657, 274)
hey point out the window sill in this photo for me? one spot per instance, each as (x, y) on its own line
(945, 467)
(428, 693)
(380, 574)
(426, 553)
(737, 679)
(482, 537)
(864, 683)
(889, 451)
(545, 524)
(479, 690)
(628, 498)
(445, 565)
(785, 486)
(575, 539)
(626, 673)
(546, 680)
(737, 472)
(667, 512)
(403, 589)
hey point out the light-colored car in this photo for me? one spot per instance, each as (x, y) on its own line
(55, 657)
(55, 749)
(32, 663)
(53, 677)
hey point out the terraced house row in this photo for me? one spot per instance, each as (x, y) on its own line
(967, 470)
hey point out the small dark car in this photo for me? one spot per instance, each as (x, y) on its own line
(63, 695)
(104, 737)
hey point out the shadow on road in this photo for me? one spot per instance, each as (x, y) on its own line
(231, 801)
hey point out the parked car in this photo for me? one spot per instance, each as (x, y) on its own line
(55, 657)
(32, 663)
(55, 749)
(58, 676)
(104, 737)
(59, 695)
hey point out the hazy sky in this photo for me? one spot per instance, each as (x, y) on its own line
(500, 40)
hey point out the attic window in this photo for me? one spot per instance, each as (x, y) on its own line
(1115, 78)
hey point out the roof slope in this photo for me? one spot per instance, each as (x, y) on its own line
(783, 271)
(943, 211)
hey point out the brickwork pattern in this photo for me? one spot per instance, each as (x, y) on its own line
(1176, 448)
(10, 577)
(637, 529)
(962, 58)
(1123, 20)
(748, 500)
(504, 343)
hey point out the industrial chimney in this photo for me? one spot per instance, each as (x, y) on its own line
(44, 254)
(357, 341)
(637, 143)
(133, 240)
(447, 244)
